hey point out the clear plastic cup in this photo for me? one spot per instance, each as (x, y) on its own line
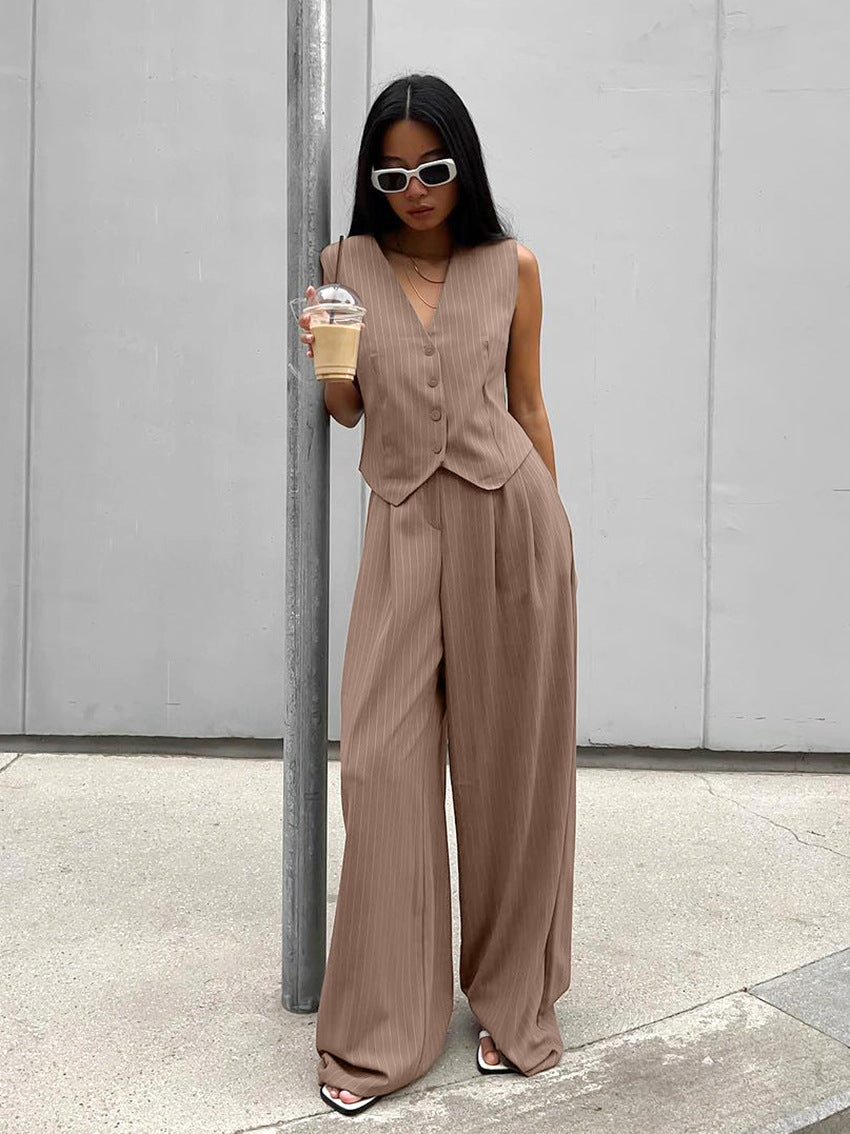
(336, 318)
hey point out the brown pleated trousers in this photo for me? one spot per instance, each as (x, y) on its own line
(462, 630)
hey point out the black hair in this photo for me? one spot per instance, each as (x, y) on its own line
(427, 98)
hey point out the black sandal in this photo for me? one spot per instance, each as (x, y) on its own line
(346, 1107)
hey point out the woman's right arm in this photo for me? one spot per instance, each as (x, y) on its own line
(342, 398)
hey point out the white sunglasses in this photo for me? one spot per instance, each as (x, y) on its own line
(439, 172)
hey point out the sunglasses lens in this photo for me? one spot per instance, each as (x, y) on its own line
(391, 181)
(437, 174)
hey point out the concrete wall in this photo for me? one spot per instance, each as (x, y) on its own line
(14, 314)
(695, 273)
(779, 602)
(144, 489)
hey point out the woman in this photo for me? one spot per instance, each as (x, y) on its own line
(462, 627)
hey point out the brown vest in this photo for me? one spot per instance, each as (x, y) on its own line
(437, 396)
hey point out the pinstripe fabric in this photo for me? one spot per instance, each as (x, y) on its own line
(462, 633)
(434, 396)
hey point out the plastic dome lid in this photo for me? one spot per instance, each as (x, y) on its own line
(337, 293)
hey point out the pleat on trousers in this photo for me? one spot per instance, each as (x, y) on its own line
(462, 632)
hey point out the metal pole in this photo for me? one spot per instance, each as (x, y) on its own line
(305, 738)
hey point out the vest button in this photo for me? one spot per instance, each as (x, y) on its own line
(429, 349)
(436, 414)
(437, 446)
(433, 379)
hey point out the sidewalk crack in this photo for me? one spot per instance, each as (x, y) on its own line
(768, 819)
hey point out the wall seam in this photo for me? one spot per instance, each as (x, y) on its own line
(27, 462)
(708, 472)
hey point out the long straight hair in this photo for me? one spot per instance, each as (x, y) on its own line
(429, 99)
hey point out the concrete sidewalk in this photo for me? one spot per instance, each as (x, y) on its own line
(141, 959)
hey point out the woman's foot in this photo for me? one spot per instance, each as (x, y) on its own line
(489, 1050)
(343, 1095)
(345, 1101)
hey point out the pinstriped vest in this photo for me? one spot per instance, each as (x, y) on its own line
(437, 396)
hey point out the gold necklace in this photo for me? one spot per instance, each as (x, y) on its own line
(433, 306)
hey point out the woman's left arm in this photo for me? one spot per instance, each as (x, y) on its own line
(522, 366)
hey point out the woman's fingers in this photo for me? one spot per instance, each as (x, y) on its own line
(304, 320)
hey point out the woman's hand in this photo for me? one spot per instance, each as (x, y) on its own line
(341, 397)
(305, 320)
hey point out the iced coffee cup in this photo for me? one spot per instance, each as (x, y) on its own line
(336, 318)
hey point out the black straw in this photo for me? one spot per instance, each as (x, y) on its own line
(336, 269)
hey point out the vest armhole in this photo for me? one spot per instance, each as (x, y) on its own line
(323, 269)
(515, 276)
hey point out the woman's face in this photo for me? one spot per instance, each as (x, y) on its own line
(408, 144)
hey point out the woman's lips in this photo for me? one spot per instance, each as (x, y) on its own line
(421, 212)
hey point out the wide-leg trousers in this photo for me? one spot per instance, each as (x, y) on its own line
(462, 632)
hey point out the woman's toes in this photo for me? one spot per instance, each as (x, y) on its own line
(338, 1093)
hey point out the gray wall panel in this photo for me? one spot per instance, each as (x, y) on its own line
(781, 507)
(640, 499)
(15, 55)
(159, 393)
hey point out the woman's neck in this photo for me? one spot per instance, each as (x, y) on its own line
(434, 245)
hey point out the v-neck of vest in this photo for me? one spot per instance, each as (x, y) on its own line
(429, 330)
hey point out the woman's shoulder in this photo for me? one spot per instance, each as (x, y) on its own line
(328, 255)
(330, 250)
(509, 246)
(528, 271)
(526, 258)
